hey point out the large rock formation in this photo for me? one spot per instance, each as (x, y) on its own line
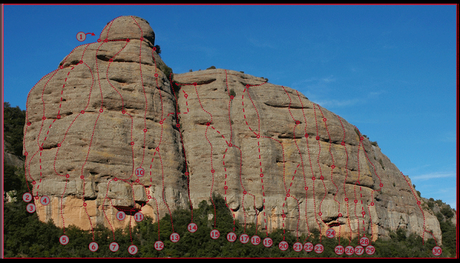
(109, 131)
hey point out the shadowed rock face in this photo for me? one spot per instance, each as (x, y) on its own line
(108, 131)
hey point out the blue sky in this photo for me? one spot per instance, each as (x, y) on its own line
(388, 69)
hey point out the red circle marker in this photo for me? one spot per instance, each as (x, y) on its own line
(381, 185)
(215, 234)
(244, 192)
(343, 143)
(349, 250)
(372, 203)
(121, 215)
(84, 204)
(359, 250)
(138, 217)
(82, 177)
(261, 175)
(308, 247)
(339, 215)
(225, 187)
(27, 197)
(346, 199)
(268, 242)
(174, 237)
(58, 145)
(101, 110)
(288, 195)
(159, 245)
(141, 39)
(437, 251)
(297, 246)
(132, 143)
(324, 119)
(283, 245)
(213, 171)
(178, 125)
(123, 112)
(81, 36)
(93, 246)
(30, 208)
(356, 201)
(99, 40)
(313, 178)
(332, 166)
(111, 60)
(132, 249)
(192, 227)
(64, 240)
(255, 240)
(361, 138)
(156, 75)
(161, 122)
(106, 40)
(186, 173)
(29, 123)
(81, 62)
(320, 214)
(58, 117)
(40, 148)
(127, 40)
(82, 112)
(339, 250)
(317, 138)
(114, 246)
(244, 238)
(26, 153)
(321, 177)
(297, 122)
(45, 200)
(306, 188)
(231, 237)
(370, 250)
(140, 172)
(319, 248)
(330, 233)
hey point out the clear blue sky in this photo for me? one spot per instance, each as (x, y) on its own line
(389, 70)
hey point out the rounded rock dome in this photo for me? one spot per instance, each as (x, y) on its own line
(128, 27)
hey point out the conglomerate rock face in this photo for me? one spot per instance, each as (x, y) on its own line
(109, 131)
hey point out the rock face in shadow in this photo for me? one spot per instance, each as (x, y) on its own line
(109, 131)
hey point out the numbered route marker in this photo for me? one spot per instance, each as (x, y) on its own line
(132, 249)
(140, 172)
(159, 245)
(27, 197)
(349, 250)
(231, 237)
(30, 208)
(330, 233)
(359, 250)
(93, 246)
(244, 238)
(437, 251)
(297, 246)
(339, 250)
(308, 247)
(64, 240)
(192, 227)
(255, 240)
(114, 246)
(174, 237)
(138, 217)
(319, 248)
(370, 250)
(268, 242)
(121, 215)
(215, 234)
(364, 241)
(283, 245)
(45, 200)
(81, 36)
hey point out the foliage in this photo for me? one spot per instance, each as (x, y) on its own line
(14, 119)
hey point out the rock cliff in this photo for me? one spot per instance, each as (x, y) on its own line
(111, 129)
